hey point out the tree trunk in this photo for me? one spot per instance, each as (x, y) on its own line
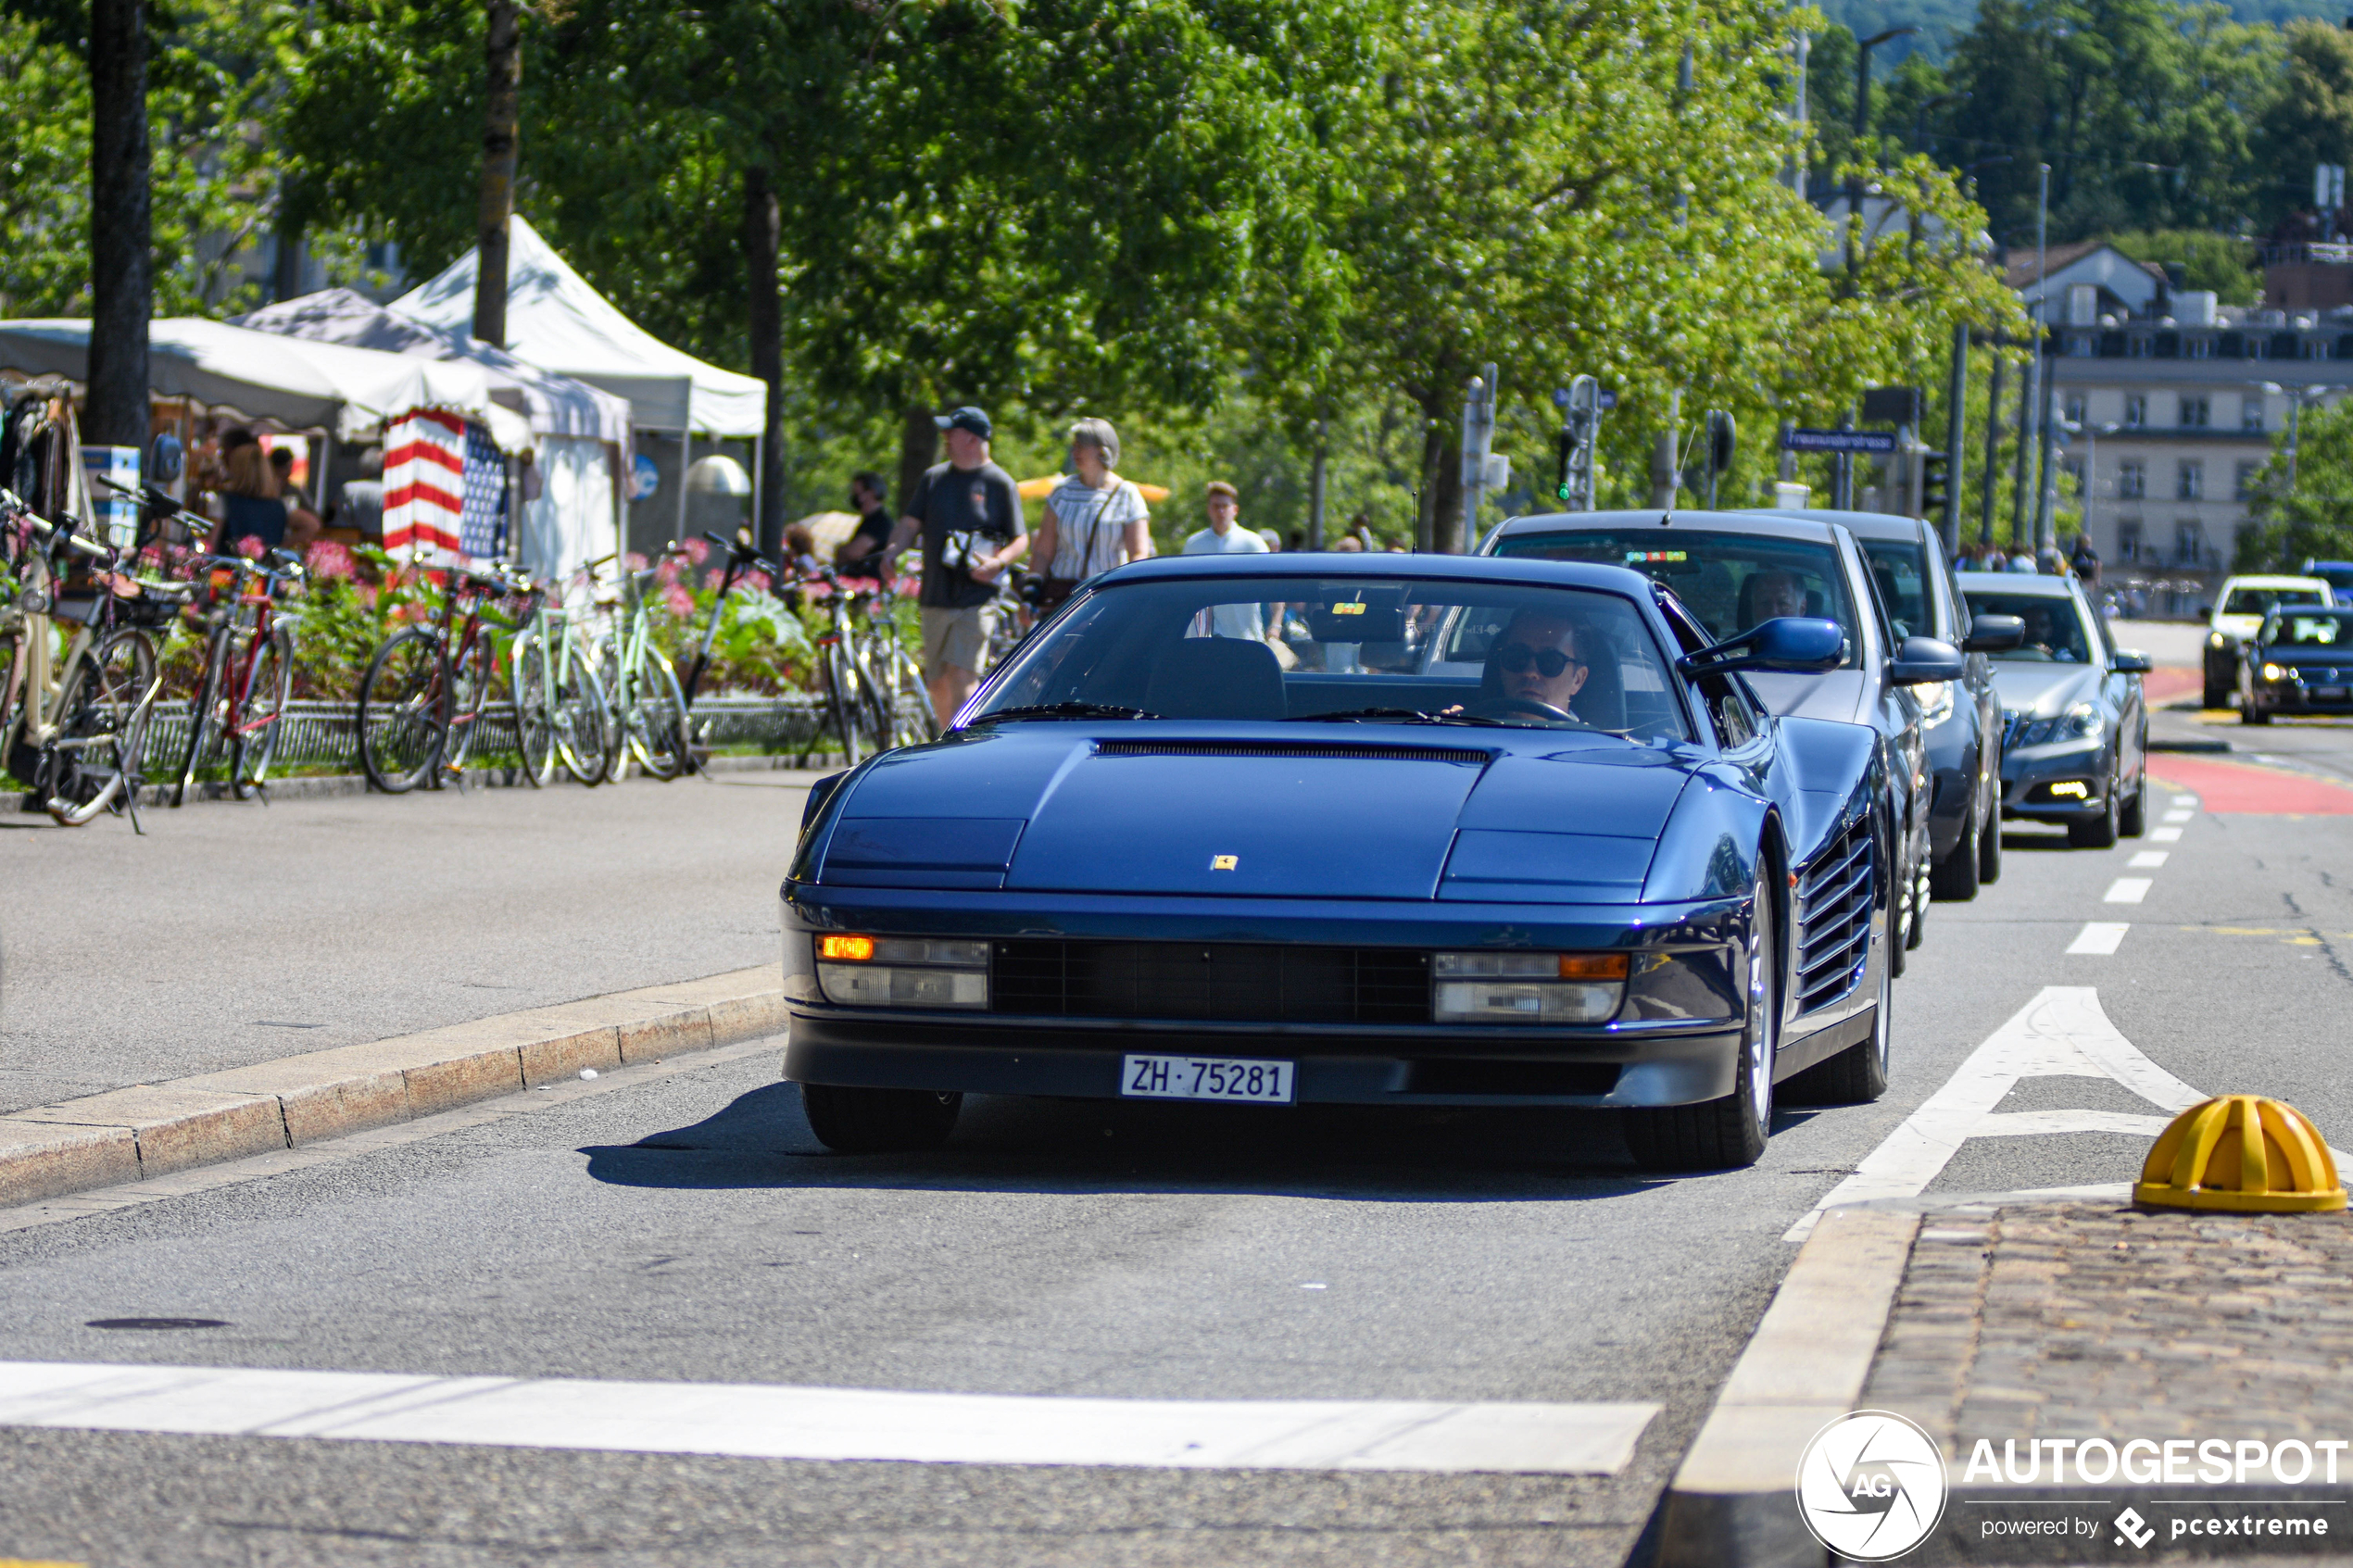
(1440, 525)
(121, 225)
(764, 321)
(918, 449)
(285, 277)
(501, 129)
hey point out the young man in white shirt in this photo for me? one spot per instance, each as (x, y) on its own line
(1222, 538)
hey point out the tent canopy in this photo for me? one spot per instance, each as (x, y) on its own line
(556, 405)
(557, 321)
(298, 382)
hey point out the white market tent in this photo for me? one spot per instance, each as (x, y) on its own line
(584, 431)
(557, 321)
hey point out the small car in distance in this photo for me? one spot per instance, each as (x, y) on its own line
(2300, 660)
(2239, 610)
(2076, 728)
(1367, 830)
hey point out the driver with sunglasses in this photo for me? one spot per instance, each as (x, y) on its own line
(1536, 658)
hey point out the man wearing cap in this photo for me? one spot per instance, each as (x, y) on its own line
(967, 512)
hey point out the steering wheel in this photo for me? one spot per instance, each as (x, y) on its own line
(1528, 707)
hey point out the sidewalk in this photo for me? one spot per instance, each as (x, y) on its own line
(2016, 1334)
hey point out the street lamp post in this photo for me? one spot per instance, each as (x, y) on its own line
(1862, 129)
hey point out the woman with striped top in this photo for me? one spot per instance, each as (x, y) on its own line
(1094, 519)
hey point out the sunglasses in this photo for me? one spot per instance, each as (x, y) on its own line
(1518, 657)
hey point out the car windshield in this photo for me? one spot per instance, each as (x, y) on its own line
(2317, 631)
(1377, 649)
(1730, 581)
(2054, 631)
(2257, 601)
(1899, 570)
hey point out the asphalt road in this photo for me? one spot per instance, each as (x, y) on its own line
(680, 1226)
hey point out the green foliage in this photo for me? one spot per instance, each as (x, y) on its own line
(2209, 262)
(2311, 119)
(2315, 520)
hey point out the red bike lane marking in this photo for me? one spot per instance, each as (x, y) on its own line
(2247, 788)
(2161, 686)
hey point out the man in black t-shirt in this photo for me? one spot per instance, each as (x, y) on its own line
(967, 511)
(866, 498)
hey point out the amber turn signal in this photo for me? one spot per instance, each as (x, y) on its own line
(1594, 966)
(855, 949)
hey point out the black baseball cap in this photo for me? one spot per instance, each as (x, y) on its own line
(966, 417)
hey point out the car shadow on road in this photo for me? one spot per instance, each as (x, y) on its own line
(1420, 1154)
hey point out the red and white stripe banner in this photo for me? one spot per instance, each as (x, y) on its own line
(425, 483)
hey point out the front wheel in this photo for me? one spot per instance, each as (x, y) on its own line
(404, 711)
(94, 759)
(2101, 831)
(854, 1121)
(534, 710)
(1956, 878)
(473, 676)
(1856, 1075)
(1723, 1135)
(203, 717)
(656, 717)
(260, 712)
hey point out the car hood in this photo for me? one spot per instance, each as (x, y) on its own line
(1841, 694)
(1260, 810)
(2045, 689)
(2239, 626)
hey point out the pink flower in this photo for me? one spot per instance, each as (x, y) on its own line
(757, 581)
(328, 560)
(667, 572)
(416, 610)
(636, 561)
(698, 551)
(680, 602)
(250, 546)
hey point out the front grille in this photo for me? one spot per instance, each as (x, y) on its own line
(1290, 749)
(1224, 981)
(1475, 1077)
(1834, 918)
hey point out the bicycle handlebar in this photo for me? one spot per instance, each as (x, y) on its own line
(11, 502)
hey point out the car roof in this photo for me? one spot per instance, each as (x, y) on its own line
(1863, 525)
(1372, 565)
(2273, 579)
(1772, 525)
(2037, 583)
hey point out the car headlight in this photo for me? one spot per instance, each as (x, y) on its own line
(903, 972)
(2216, 640)
(2083, 719)
(1527, 987)
(2273, 673)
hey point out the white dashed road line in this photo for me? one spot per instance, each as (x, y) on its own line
(2147, 860)
(2165, 835)
(759, 1421)
(2128, 890)
(2100, 937)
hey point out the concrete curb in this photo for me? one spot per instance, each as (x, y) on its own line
(151, 1129)
(1733, 1503)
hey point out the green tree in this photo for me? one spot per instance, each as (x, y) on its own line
(2314, 520)
(2310, 119)
(2221, 262)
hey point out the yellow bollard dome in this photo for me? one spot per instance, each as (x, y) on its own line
(2240, 1153)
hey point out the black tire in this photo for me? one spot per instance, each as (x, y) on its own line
(2134, 820)
(1899, 910)
(204, 717)
(1916, 932)
(657, 718)
(1956, 877)
(1856, 1075)
(404, 711)
(102, 728)
(2250, 714)
(845, 703)
(261, 713)
(1727, 1133)
(1989, 849)
(534, 710)
(2101, 831)
(2214, 697)
(584, 719)
(850, 1121)
(473, 676)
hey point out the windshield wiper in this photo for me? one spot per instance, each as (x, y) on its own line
(1395, 715)
(1065, 710)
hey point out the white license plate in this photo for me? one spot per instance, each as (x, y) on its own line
(2328, 694)
(1205, 1077)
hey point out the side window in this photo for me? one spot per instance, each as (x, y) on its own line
(1736, 722)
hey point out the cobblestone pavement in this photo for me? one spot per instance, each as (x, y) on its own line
(2089, 1320)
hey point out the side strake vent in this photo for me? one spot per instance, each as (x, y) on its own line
(1290, 748)
(1834, 919)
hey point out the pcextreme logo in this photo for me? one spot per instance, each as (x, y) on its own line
(1871, 1485)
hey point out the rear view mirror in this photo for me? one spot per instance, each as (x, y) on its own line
(1923, 659)
(1793, 645)
(1993, 633)
(2132, 662)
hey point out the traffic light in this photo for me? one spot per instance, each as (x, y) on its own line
(1936, 483)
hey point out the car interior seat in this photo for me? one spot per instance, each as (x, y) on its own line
(1217, 678)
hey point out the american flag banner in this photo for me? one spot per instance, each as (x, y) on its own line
(483, 536)
(424, 483)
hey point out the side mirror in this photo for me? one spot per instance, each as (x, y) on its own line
(2132, 662)
(1993, 633)
(1923, 659)
(1793, 645)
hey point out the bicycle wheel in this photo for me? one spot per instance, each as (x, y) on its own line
(203, 716)
(583, 719)
(404, 711)
(259, 714)
(474, 673)
(658, 717)
(534, 708)
(844, 701)
(912, 721)
(102, 724)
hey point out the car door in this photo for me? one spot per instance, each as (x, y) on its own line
(2122, 697)
(1896, 711)
(1977, 681)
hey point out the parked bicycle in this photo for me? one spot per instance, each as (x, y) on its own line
(874, 689)
(422, 699)
(562, 714)
(649, 708)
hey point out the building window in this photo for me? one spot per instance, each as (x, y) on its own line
(2140, 346)
(2189, 543)
(2194, 413)
(2128, 538)
(2136, 410)
(2258, 347)
(2075, 408)
(2198, 349)
(2189, 483)
(2132, 479)
(2316, 348)
(2251, 414)
(2082, 305)
(2243, 484)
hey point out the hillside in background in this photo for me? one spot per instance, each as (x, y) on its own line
(1941, 21)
